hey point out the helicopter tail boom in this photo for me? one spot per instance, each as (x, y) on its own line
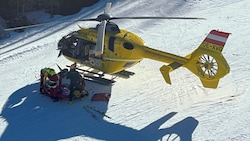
(206, 62)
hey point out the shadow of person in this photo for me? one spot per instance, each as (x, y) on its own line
(32, 116)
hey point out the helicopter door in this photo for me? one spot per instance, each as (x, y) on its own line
(79, 48)
(82, 50)
(112, 44)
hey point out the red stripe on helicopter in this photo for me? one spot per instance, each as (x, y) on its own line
(219, 33)
(217, 37)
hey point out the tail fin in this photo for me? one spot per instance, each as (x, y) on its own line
(207, 62)
(215, 41)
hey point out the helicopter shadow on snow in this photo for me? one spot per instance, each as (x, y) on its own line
(32, 116)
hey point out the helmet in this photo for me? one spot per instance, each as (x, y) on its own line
(49, 71)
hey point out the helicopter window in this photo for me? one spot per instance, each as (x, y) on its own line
(111, 44)
(128, 46)
(112, 27)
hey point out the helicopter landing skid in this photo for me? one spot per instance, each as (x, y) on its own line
(97, 76)
(100, 80)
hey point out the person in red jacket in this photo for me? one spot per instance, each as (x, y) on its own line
(50, 83)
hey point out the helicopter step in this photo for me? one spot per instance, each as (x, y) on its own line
(124, 74)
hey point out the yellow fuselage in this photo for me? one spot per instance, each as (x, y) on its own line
(121, 51)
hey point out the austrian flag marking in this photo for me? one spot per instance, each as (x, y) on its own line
(217, 37)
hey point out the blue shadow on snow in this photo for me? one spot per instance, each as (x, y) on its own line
(31, 116)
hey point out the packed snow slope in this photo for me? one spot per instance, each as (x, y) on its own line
(143, 107)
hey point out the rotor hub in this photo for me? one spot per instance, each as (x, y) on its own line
(103, 17)
(208, 65)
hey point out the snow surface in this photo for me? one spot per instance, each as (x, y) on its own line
(143, 107)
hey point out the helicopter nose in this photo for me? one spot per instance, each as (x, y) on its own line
(59, 45)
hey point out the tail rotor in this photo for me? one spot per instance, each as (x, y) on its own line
(207, 65)
(208, 59)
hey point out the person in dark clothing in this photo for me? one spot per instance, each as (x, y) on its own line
(75, 81)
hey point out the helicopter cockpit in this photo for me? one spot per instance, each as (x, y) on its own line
(75, 47)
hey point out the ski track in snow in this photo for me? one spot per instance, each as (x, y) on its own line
(143, 107)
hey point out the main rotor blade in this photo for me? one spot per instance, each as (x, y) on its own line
(183, 18)
(27, 26)
(107, 8)
(83, 20)
(37, 25)
(48, 23)
(100, 38)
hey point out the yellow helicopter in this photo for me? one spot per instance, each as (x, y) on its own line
(111, 50)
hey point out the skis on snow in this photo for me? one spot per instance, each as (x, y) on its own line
(90, 112)
(89, 109)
